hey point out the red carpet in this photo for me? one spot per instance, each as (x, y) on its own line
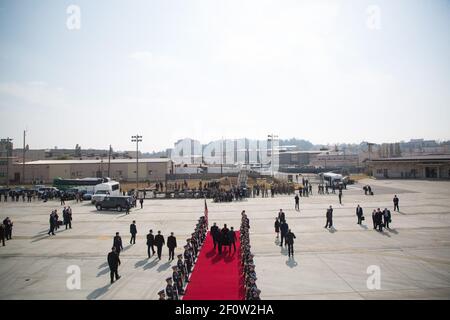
(216, 277)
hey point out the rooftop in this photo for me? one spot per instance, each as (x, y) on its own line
(429, 157)
(94, 161)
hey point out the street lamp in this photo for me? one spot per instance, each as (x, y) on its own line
(137, 138)
(272, 138)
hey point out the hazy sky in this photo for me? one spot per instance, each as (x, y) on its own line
(337, 71)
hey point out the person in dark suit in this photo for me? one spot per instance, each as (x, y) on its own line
(117, 243)
(386, 217)
(171, 244)
(52, 222)
(114, 263)
(8, 228)
(223, 237)
(290, 242)
(281, 216)
(379, 219)
(2, 233)
(284, 228)
(374, 218)
(215, 234)
(297, 202)
(159, 242)
(359, 214)
(232, 239)
(396, 200)
(150, 243)
(277, 226)
(329, 215)
(340, 196)
(133, 231)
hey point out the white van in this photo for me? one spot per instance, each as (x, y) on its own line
(111, 188)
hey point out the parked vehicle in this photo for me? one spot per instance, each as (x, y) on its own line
(114, 202)
(87, 195)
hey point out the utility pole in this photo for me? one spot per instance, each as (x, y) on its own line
(221, 158)
(137, 138)
(271, 137)
(109, 162)
(23, 157)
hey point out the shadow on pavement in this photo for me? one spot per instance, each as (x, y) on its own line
(291, 263)
(98, 292)
(151, 264)
(163, 267)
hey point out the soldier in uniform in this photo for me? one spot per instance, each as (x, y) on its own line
(177, 282)
(187, 262)
(171, 292)
(162, 295)
(181, 267)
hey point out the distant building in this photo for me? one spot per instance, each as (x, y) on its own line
(6, 157)
(297, 159)
(412, 167)
(336, 160)
(121, 170)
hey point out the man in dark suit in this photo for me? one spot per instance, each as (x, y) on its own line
(232, 239)
(359, 214)
(386, 217)
(2, 233)
(284, 228)
(159, 242)
(114, 263)
(223, 237)
(395, 200)
(117, 243)
(171, 244)
(329, 215)
(290, 242)
(150, 243)
(133, 231)
(215, 234)
(297, 202)
(281, 215)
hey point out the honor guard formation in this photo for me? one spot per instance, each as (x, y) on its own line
(248, 267)
(182, 270)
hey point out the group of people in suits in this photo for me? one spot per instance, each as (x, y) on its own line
(287, 236)
(6, 230)
(223, 237)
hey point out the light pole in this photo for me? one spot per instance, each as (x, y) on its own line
(137, 138)
(271, 137)
(109, 162)
(23, 158)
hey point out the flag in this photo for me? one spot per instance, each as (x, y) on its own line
(206, 213)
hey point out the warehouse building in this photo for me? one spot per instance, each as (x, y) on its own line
(123, 170)
(414, 167)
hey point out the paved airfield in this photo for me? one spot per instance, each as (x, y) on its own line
(413, 257)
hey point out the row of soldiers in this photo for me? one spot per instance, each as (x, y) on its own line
(248, 267)
(183, 268)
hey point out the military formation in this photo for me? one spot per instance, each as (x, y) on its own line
(176, 283)
(248, 267)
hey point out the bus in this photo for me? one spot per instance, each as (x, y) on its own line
(331, 178)
(85, 184)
